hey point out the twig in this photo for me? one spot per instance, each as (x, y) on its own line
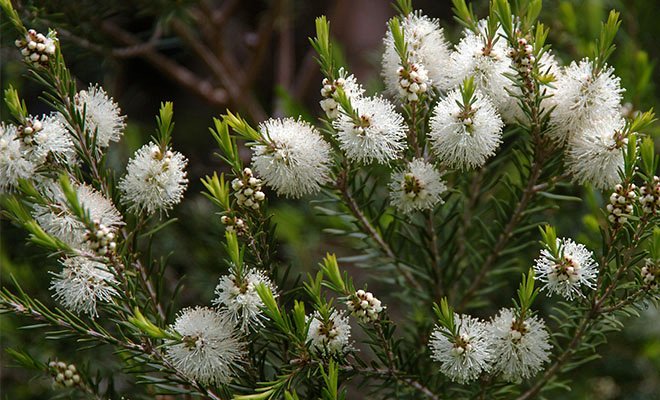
(150, 289)
(371, 231)
(227, 78)
(527, 195)
(216, 96)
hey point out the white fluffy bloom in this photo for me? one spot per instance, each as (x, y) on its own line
(465, 357)
(594, 155)
(417, 187)
(520, 348)
(154, 180)
(102, 115)
(210, 351)
(46, 136)
(565, 276)
(465, 138)
(82, 284)
(57, 220)
(581, 99)
(427, 47)
(13, 166)
(487, 66)
(240, 301)
(330, 337)
(379, 135)
(294, 160)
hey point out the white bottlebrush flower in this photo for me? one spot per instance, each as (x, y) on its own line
(465, 357)
(427, 47)
(82, 284)
(566, 275)
(57, 220)
(581, 99)
(47, 136)
(594, 155)
(294, 160)
(487, 65)
(155, 180)
(102, 115)
(210, 350)
(519, 348)
(465, 138)
(350, 86)
(378, 134)
(13, 166)
(417, 187)
(329, 338)
(240, 301)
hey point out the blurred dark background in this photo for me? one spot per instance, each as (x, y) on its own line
(254, 57)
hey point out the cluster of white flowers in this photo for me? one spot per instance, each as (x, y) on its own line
(239, 300)
(57, 219)
(464, 357)
(512, 348)
(487, 62)
(210, 349)
(26, 148)
(65, 375)
(413, 81)
(331, 337)
(428, 52)
(523, 56)
(350, 86)
(155, 179)
(234, 224)
(650, 273)
(83, 283)
(582, 98)
(364, 306)
(374, 132)
(13, 165)
(103, 119)
(519, 347)
(621, 203)
(465, 135)
(417, 187)
(565, 274)
(293, 159)
(45, 137)
(586, 117)
(650, 196)
(247, 190)
(36, 47)
(594, 155)
(102, 239)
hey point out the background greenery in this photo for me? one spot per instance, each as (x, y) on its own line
(267, 41)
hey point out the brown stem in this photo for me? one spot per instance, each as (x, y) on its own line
(367, 227)
(528, 194)
(146, 282)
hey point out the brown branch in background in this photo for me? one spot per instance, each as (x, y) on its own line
(215, 96)
(227, 78)
(285, 56)
(261, 45)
